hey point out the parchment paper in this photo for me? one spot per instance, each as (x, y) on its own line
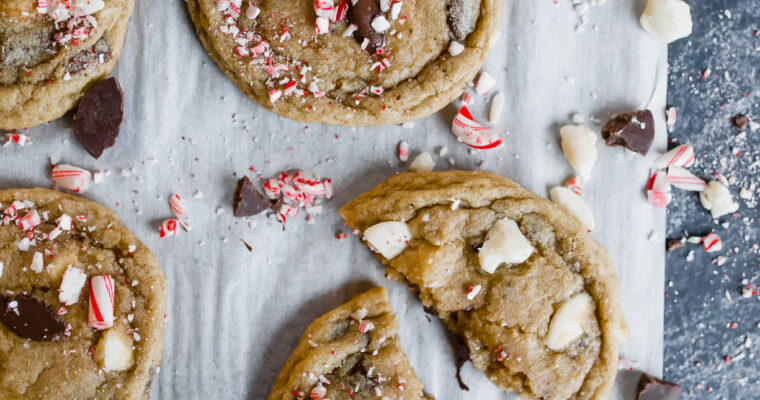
(233, 315)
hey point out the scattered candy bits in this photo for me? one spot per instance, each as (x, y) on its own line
(294, 190)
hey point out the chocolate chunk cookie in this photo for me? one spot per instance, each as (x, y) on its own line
(82, 301)
(52, 51)
(352, 352)
(346, 62)
(531, 294)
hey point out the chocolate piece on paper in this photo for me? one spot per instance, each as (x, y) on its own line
(651, 388)
(635, 131)
(248, 201)
(99, 116)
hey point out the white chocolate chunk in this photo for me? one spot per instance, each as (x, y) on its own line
(574, 204)
(579, 146)
(422, 163)
(388, 238)
(455, 48)
(497, 105)
(669, 20)
(567, 322)
(504, 244)
(485, 83)
(90, 6)
(37, 262)
(71, 285)
(717, 199)
(114, 351)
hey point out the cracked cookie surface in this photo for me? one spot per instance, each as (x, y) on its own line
(84, 363)
(274, 56)
(548, 327)
(47, 65)
(352, 352)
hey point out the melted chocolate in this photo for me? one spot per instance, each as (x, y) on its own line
(361, 14)
(30, 318)
(462, 354)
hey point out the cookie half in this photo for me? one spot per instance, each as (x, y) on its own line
(346, 62)
(532, 295)
(82, 301)
(352, 352)
(52, 51)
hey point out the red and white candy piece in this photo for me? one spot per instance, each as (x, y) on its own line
(71, 285)
(179, 208)
(308, 184)
(403, 151)
(671, 114)
(574, 184)
(683, 179)
(681, 156)
(285, 211)
(322, 26)
(18, 138)
(658, 190)
(71, 178)
(29, 221)
(341, 10)
(474, 134)
(712, 243)
(168, 228)
(272, 188)
(329, 190)
(101, 302)
(324, 8)
(485, 83)
(318, 393)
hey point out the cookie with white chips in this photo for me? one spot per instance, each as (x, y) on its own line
(534, 298)
(52, 51)
(349, 62)
(82, 301)
(352, 352)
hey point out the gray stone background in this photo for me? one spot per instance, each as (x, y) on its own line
(711, 331)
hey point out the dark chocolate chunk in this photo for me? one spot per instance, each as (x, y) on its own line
(740, 121)
(462, 17)
(651, 388)
(462, 354)
(674, 244)
(362, 14)
(30, 318)
(634, 130)
(249, 201)
(99, 116)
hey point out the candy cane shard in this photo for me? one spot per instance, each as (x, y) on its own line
(681, 156)
(683, 179)
(101, 302)
(168, 228)
(658, 190)
(179, 209)
(474, 134)
(712, 243)
(71, 178)
(71, 285)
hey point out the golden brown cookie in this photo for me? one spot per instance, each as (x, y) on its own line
(532, 295)
(81, 301)
(346, 62)
(52, 51)
(352, 352)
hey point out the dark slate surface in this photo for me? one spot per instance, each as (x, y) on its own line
(712, 333)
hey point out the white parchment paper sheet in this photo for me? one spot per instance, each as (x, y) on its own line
(233, 315)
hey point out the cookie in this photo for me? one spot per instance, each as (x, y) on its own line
(81, 301)
(534, 298)
(52, 51)
(345, 62)
(352, 352)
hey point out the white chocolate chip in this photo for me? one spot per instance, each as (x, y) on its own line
(717, 199)
(388, 238)
(567, 322)
(504, 244)
(485, 83)
(579, 146)
(37, 262)
(252, 11)
(422, 163)
(114, 351)
(89, 7)
(669, 20)
(497, 105)
(71, 285)
(574, 204)
(455, 48)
